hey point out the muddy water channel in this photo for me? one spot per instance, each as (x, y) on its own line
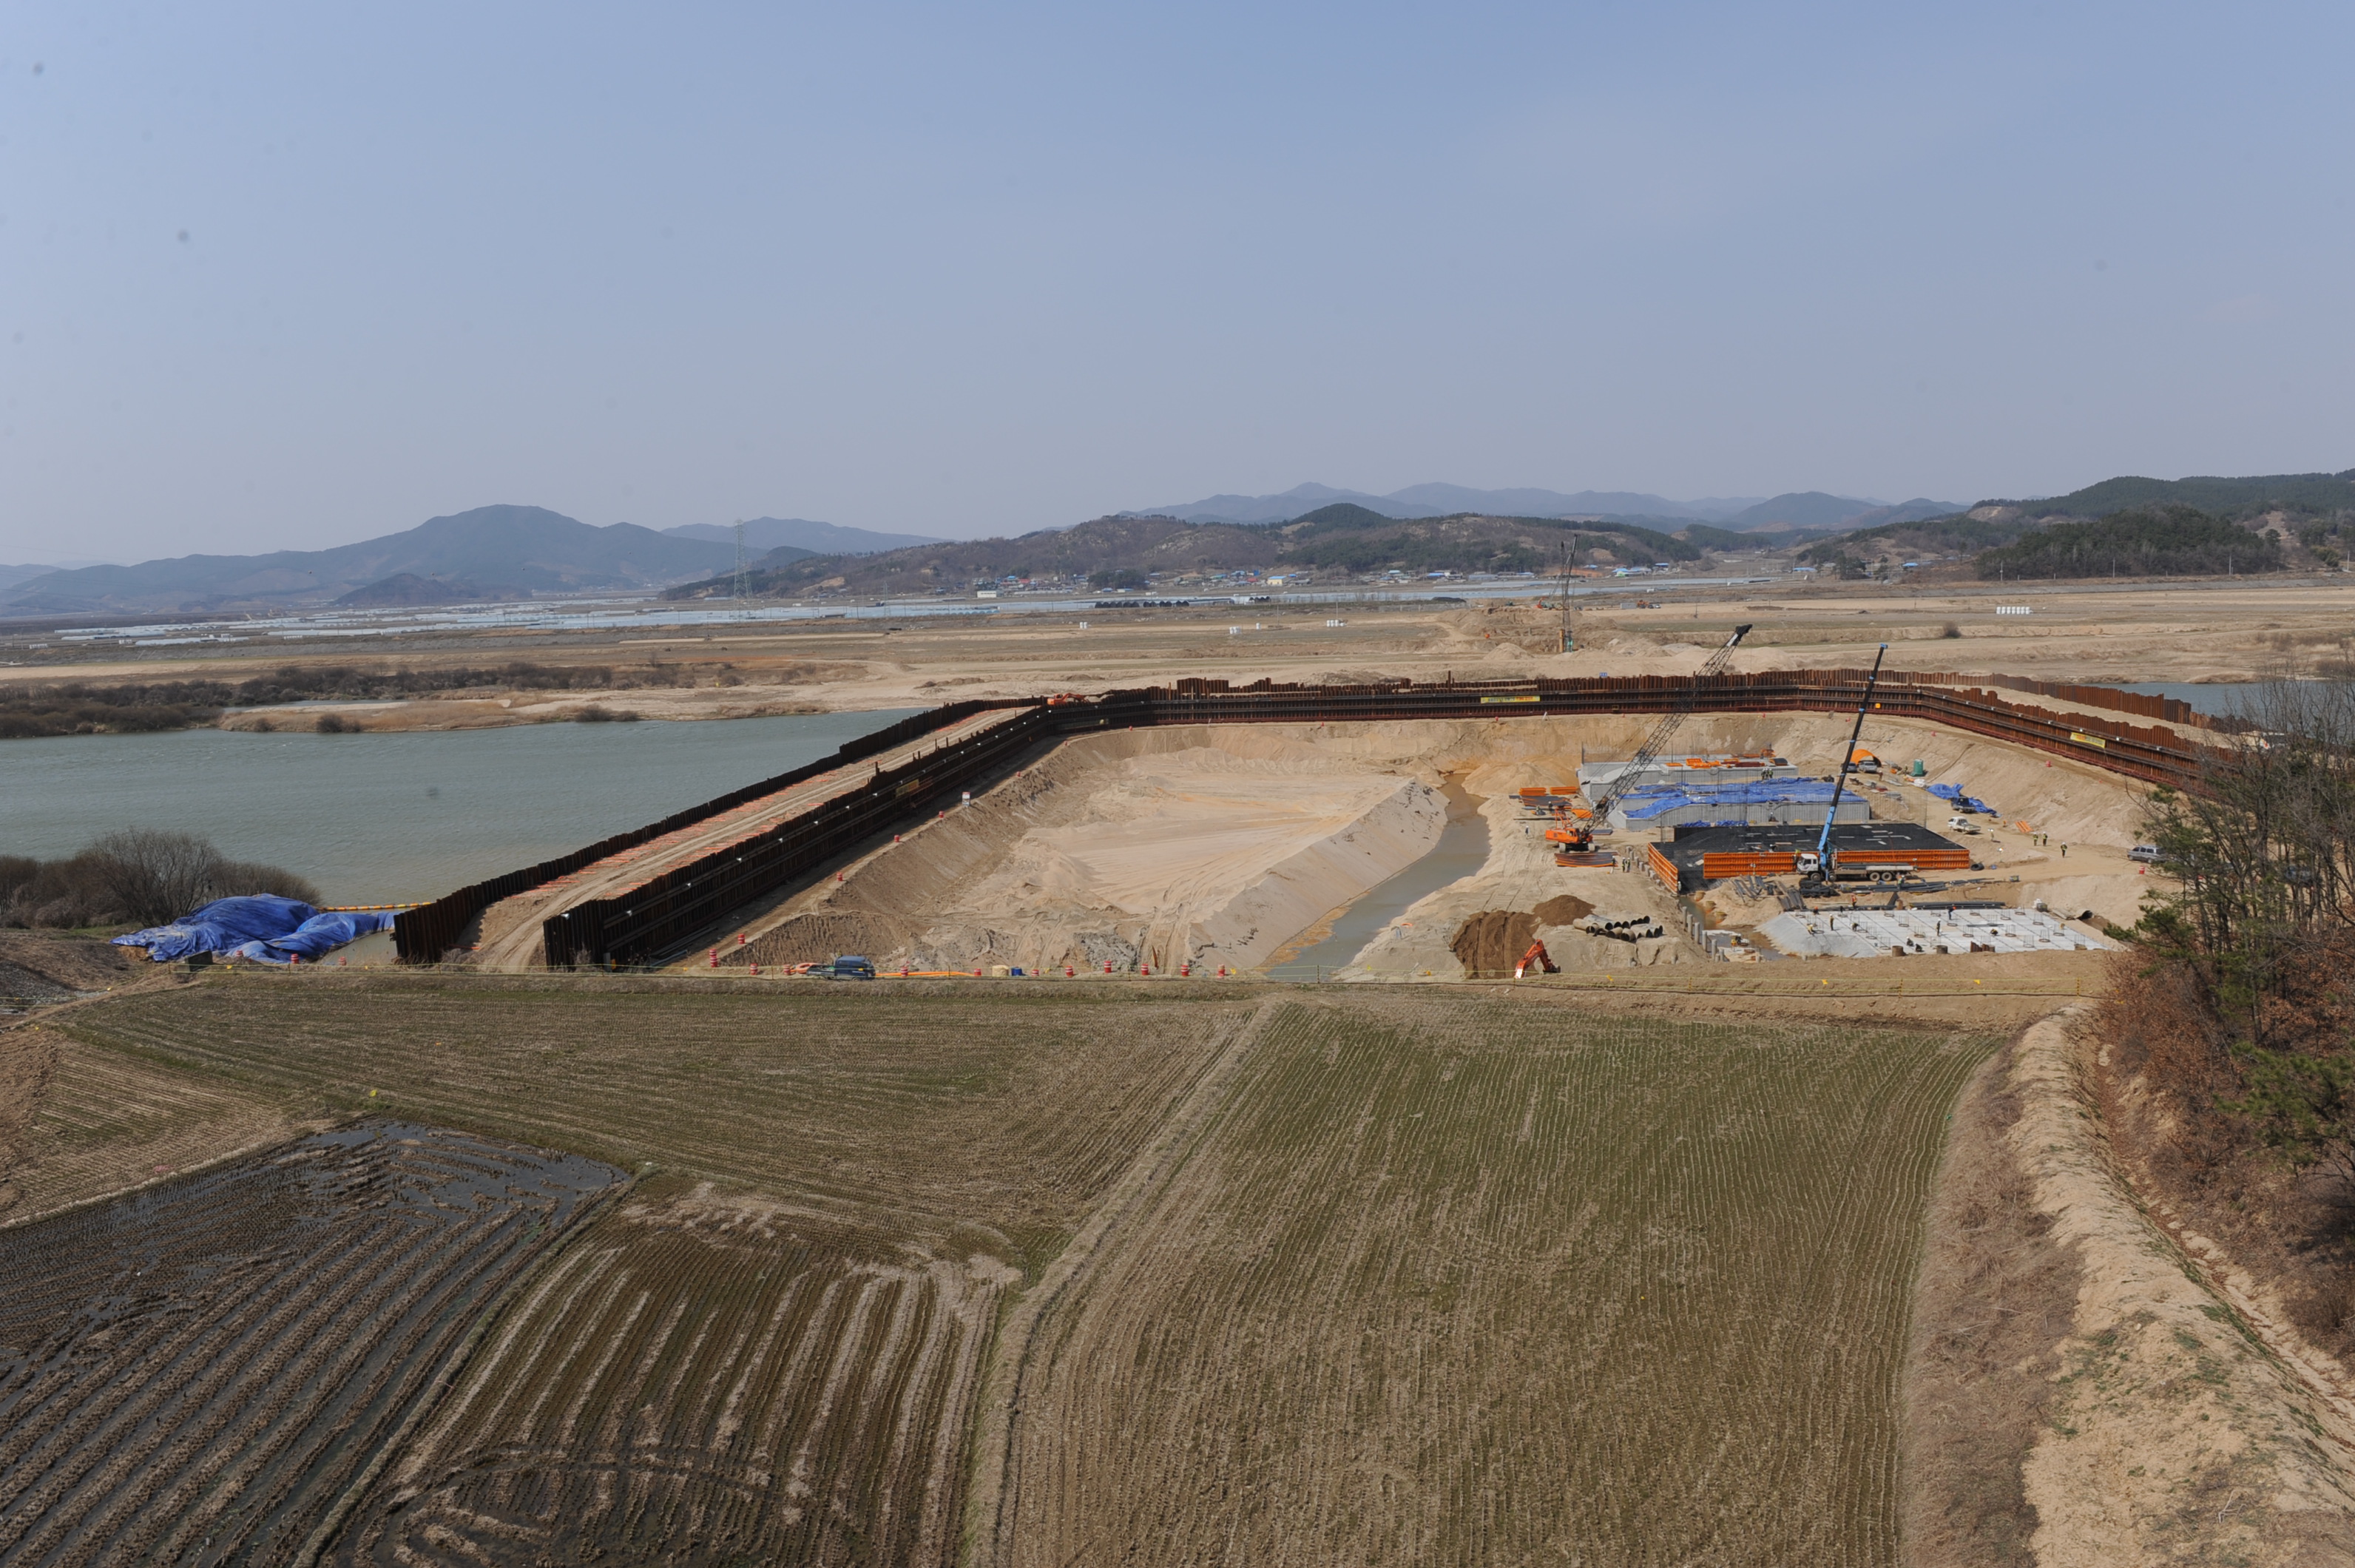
(385, 818)
(1462, 849)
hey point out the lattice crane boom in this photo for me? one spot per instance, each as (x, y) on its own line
(1665, 731)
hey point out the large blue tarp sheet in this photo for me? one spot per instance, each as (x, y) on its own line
(319, 935)
(221, 926)
(1966, 802)
(1643, 804)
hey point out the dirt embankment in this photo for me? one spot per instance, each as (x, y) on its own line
(2162, 1421)
(1993, 1306)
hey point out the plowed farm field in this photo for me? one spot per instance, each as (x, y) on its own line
(706, 1371)
(197, 1372)
(1464, 1282)
(1008, 1275)
(991, 1129)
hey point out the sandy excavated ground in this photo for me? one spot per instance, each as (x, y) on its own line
(1158, 847)
(1224, 845)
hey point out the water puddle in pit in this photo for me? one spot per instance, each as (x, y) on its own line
(1462, 849)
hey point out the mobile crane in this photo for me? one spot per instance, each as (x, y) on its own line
(1578, 838)
(1816, 870)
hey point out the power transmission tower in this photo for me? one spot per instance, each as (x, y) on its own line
(743, 576)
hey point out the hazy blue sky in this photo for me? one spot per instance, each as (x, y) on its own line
(278, 274)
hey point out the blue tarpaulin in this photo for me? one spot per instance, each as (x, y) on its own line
(1642, 805)
(319, 935)
(1966, 802)
(221, 925)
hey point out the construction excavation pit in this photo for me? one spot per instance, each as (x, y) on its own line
(1282, 848)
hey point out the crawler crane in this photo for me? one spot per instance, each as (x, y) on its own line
(1578, 838)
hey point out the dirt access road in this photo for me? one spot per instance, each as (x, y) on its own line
(510, 936)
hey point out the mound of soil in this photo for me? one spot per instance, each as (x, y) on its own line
(1490, 942)
(1493, 940)
(1562, 910)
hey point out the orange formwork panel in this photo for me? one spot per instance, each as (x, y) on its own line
(1920, 859)
(1727, 864)
(1661, 866)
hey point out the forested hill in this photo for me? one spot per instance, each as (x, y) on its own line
(2152, 514)
(2322, 493)
(2141, 541)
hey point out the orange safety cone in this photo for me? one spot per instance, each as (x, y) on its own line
(740, 939)
(1068, 971)
(1107, 966)
(1144, 969)
(715, 959)
(1185, 970)
(976, 973)
(756, 968)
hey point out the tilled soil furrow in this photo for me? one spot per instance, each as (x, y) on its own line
(211, 1403)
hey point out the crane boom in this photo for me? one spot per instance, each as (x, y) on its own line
(1658, 741)
(1655, 742)
(1847, 761)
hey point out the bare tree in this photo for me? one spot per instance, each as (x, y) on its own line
(154, 875)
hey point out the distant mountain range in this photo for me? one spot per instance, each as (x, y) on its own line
(498, 552)
(762, 535)
(10, 576)
(1804, 510)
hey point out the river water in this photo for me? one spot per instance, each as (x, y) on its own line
(391, 818)
(1461, 848)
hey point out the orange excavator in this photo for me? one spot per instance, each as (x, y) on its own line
(1536, 958)
(1579, 837)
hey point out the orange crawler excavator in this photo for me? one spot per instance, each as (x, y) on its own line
(1536, 958)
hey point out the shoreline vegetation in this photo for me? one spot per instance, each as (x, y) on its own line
(135, 707)
(135, 877)
(131, 707)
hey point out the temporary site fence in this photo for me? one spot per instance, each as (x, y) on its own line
(668, 912)
(661, 913)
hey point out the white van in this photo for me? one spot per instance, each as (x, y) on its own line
(2147, 853)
